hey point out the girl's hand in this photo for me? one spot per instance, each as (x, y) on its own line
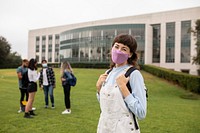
(63, 79)
(121, 82)
(100, 81)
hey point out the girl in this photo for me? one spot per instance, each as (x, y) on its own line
(65, 72)
(116, 102)
(33, 76)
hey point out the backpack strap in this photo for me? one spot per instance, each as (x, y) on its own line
(109, 71)
(129, 71)
(127, 74)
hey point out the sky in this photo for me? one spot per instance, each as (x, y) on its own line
(17, 17)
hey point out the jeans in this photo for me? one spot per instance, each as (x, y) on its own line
(67, 89)
(48, 90)
(23, 93)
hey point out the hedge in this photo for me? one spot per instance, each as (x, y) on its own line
(187, 81)
(90, 65)
(81, 65)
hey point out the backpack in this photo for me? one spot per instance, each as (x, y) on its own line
(71, 79)
(25, 80)
(127, 74)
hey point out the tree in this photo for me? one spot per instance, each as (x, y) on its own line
(4, 49)
(196, 32)
(13, 60)
(8, 59)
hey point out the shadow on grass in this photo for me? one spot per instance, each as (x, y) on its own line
(190, 96)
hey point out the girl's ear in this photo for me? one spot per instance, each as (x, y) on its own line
(130, 55)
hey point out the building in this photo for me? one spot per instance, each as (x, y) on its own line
(163, 40)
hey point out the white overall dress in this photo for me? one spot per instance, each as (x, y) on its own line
(115, 116)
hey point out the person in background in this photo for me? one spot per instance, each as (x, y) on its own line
(47, 83)
(66, 70)
(21, 70)
(33, 76)
(117, 103)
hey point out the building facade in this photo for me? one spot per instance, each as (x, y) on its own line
(163, 40)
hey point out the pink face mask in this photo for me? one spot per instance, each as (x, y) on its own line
(119, 57)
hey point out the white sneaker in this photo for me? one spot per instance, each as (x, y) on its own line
(33, 108)
(53, 107)
(67, 111)
(19, 111)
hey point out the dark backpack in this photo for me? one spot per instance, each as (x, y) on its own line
(71, 79)
(25, 80)
(127, 74)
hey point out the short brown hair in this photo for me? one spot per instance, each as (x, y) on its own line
(24, 60)
(44, 61)
(129, 41)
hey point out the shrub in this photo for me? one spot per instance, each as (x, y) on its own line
(189, 82)
(90, 65)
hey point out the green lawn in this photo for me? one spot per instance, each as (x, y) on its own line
(167, 111)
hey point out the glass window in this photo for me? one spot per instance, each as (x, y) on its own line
(49, 56)
(75, 35)
(37, 57)
(50, 40)
(185, 41)
(57, 39)
(43, 45)
(170, 42)
(93, 44)
(56, 57)
(156, 43)
(43, 39)
(50, 48)
(43, 56)
(37, 40)
(37, 49)
(96, 33)
(119, 31)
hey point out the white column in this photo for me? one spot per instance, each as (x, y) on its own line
(162, 44)
(79, 55)
(89, 52)
(53, 47)
(148, 44)
(47, 46)
(40, 49)
(177, 45)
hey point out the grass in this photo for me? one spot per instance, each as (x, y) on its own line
(168, 110)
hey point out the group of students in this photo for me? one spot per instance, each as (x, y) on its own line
(47, 83)
(120, 90)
